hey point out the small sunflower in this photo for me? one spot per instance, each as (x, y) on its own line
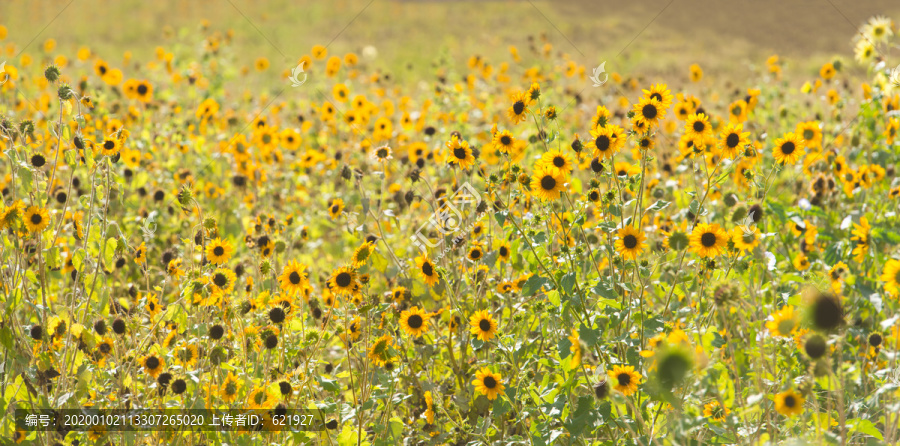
(483, 325)
(558, 161)
(36, 219)
(890, 275)
(186, 355)
(518, 111)
(503, 251)
(784, 322)
(261, 398)
(546, 184)
(649, 111)
(219, 251)
(460, 153)
(361, 255)
(624, 379)
(732, 140)
(630, 242)
(476, 252)
(153, 365)
(335, 208)
(504, 141)
(426, 269)
(110, 146)
(230, 388)
(697, 126)
(745, 238)
(222, 281)
(414, 321)
(140, 254)
(488, 383)
(789, 403)
(788, 149)
(606, 141)
(708, 240)
(293, 278)
(715, 411)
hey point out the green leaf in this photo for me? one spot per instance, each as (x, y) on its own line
(865, 427)
(568, 283)
(533, 285)
(659, 205)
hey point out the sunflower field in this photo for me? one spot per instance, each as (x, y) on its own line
(484, 255)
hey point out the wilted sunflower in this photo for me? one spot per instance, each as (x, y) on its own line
(624, 379)
(788, 149)
(483, 325)
(630, 242)
(219, 251)
(789, 403)
(488, 383)
(708, 240)
(414, 321)
(36, 219)
(546, 184)
(343, 281)
(426, 269)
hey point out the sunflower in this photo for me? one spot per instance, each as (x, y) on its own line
(186, 355)
(630, 242)
(488, 383)
(361, 255)
(153, 365)
(414, 321)
(624, 379)
(476, 252)
(140, 254)
(558, 161)
(382, 154)
(110, 146)
(708, 240)
(546, 184)
(801, 262)
(294, 278)
(426, 269)
(221, 281)
(606, 141)
(784, 322)
(661, 93)
(503, 251)
(335, 208)
(36, 219)
(343, 281)
(483, 325)
(261, 398)
(697, 126)
(153, 308)
(379, 352)
(230, 388)
(789, 403)
(649, 111)
(810, 133)
(518, 111)
(732, 140)
(788, 149)
(460, 153)
(737, 111)
(715, 411)
(745, 238)
(503, 141)
(891, 277)
(219, 251)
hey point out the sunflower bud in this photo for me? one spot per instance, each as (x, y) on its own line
(52, 73)
(65, 92)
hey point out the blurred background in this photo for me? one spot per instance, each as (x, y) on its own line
(656, 36)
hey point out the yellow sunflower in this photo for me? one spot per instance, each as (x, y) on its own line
(335, 208)
(230, 388)
(483, 325)
(788, 149)
(697, 126)
(630, 242)
(606, 141)
(460, 153)
(503, 141)
(649, 111)
(488, 383)
(891, 277)
(708, 240)
(732, 140)
(745, 238)
(221, 281)
(293, 278)
(518, 111)
(219, 251)
(140, 254)
(546, 184)
(343, 281)
(624, 379)
(361, 255)
(261, 398)
(379, 352)
(36, 219)
(427, 271)
(558, 161)
(414, 321)
(789, 403)
(715, 411)
(784, 322)
(153, 365)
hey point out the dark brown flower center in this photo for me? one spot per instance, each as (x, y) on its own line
(630, 241)
(343, 279)
(489, 382)
(294, 277)
(484, 325)
(708, 239)
(788, 148)
(548, 182)
(414, 321)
